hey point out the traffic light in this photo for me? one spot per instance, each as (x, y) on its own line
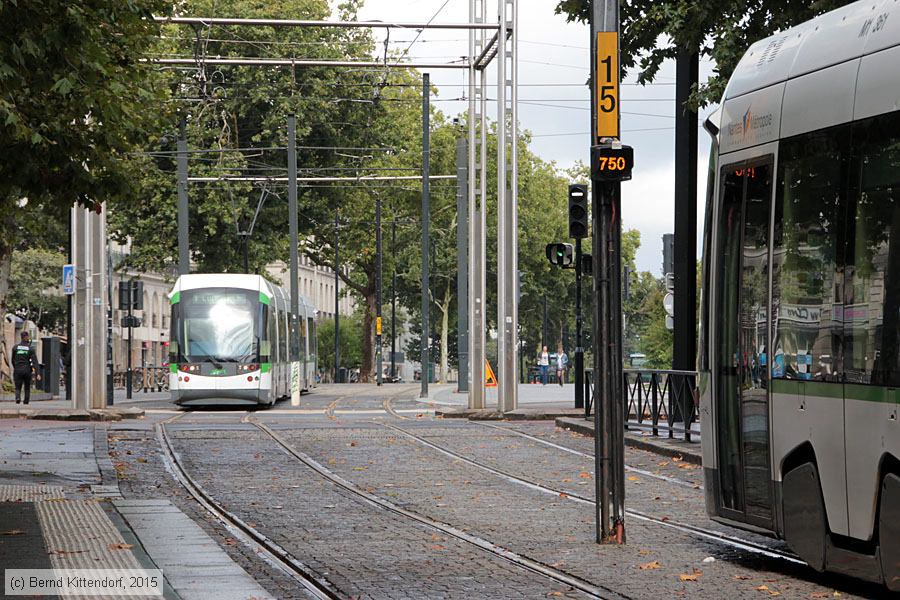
(560, 254)
(578, 211)
(587, 264)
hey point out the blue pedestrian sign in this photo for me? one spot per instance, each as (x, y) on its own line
(68, 279)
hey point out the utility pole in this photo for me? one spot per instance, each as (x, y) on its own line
(110, 392)
(337, 304)
(292, 213)
(394, 299)
(129, 383)
(462, 263)
(611, 164)
(426, 240)
(378, 284)
(184, 257)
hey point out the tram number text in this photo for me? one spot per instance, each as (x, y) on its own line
(873, 25)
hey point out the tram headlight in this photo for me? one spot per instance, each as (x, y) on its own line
(248, 368)
(189, 368)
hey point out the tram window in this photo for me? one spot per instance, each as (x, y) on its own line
(871, 307)
(273, 334)
(295, 338)
(808, 244)
(313, 349)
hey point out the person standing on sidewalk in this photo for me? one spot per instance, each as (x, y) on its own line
(544, 364)
(562, 363)
(25, 364)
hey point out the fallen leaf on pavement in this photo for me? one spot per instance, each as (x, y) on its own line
(690, 577)
(632, 478)
(650, 565)
(120, 546)
(741, 577)
(584, 475)
(762, 588)
(438, 547)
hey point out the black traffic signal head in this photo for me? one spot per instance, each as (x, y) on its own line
(578, 211)
(560, 254)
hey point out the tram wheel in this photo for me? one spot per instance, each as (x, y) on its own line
(889, 531)
(804, 514)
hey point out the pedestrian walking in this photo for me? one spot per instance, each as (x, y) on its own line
(25, 364)
(544, 364)
(562, 363)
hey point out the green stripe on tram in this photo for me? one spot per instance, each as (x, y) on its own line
(265, 367)
(837, 390)
(173, 367)
(176, 298)
(263, 298)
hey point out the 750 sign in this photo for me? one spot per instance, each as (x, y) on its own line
(607, 82)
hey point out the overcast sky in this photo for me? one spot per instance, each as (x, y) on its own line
(553, 67)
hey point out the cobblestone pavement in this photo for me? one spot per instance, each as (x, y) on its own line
(363, 550)
(370, 553)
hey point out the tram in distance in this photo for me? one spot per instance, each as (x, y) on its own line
(800, 336)
(235, 341)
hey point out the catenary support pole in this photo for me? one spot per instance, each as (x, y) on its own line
(379, 359)
(292, 213)
(110, 392)
(462, 263)
(184, 258)
(426, 240)
(129, 382)
(337, 302)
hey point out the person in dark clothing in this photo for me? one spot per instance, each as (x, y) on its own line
(24, 363)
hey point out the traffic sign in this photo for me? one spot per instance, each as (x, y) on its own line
(612, 162)
(68, 278)
(607, 84)
(669, 304)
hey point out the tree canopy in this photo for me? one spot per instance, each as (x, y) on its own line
(653, 31)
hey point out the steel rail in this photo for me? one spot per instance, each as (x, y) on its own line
(666, 478)
(517, 559)
(710, 534)
(206, 21)
(249, 536)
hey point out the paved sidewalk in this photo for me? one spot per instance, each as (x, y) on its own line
(60, 507)
(638, 438)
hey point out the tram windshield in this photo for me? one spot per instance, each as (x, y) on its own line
(216, 325)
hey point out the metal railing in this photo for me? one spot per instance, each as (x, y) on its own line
(146, 379)
(655, 399)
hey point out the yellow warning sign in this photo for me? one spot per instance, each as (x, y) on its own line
(490, 380)
(607, 84)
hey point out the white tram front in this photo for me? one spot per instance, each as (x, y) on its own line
(234, 341)
(800, 341)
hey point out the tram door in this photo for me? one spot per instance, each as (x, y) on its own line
(742, 353)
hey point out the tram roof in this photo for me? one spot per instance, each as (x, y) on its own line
(855, 30)
(258, 283)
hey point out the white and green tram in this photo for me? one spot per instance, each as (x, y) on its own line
(800, 336)
(235, 341)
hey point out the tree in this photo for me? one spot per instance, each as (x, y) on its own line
(351, 349)
(34, 292)
(74, 99)
(653, 30)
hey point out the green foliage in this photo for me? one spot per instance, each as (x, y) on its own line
(351, 343)
(34, 288)
(653, 31)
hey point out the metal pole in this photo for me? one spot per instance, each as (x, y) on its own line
(477, 193)
(184, 258)
(507, 230)
(292, 213)
(128, 375)
(337, 305)
(109, 328)
(685, 333)
(462, 264)
(394, 300)
(378, 284)
(426, 241)
(608, 399)
(579, 331)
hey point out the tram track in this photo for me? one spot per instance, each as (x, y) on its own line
(261, 545)
(519, 560)
(644, 472)
(731, 541)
